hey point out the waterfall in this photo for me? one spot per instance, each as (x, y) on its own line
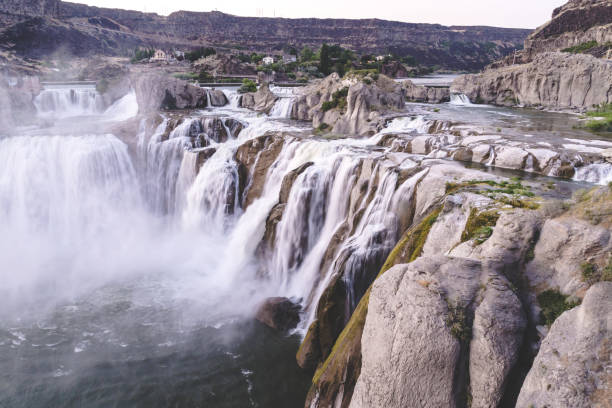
(233, 97)
(598, 173)
(63, 102)
(460, 100)
(282, 108)
(123, 109)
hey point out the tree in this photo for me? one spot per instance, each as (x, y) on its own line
(306, 55)
(325, 60)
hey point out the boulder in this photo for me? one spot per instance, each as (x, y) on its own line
(157, 91)
(469, 311)
(261, 101)
(572, 368)
(279, 313)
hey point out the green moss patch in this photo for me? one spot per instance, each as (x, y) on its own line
(553, 304)
(602, 119)
(479, 225)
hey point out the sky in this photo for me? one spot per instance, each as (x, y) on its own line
(500, 13)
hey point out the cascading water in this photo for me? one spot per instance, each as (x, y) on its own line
(62, 102)
(282, 108)
(460, 100)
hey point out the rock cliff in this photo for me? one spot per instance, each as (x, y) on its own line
(430, 44)
(551, 80)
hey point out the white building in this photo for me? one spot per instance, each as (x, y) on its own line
(288, 58)
(268, 60)
(159, 56)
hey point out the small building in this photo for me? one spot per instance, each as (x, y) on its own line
(268, 60)
(159, 56)
(288, 58)
(380, 57)
(179, 55)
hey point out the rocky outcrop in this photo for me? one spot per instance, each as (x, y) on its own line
(156, 91)
(254, 158)
(551, 80)
(279, 313)
(577, 22)
(352, 105)
(261, 101)
(17, 101)
(224, 64)
(38, 8)
(572, 368)
(427, 94)
(441, 298)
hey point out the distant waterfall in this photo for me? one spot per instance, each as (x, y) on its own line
(598, 173)
(460, 99)
(62, 102)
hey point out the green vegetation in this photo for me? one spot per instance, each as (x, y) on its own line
(322, 127)
(142, 54)
(505, 192)
(591, 273)
(553, 304)
(457, 322)
(247, 86)
(587, 46)
(479, 226)
(204, 76)
(338, 100)
(602, 121)
(186, 76)
(199, 53)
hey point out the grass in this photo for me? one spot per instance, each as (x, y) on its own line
(457, 322)
(591, 274)
(191, 76)
(338, 100)
(506, 192)
(553, 304)
(479, 226)
(602, 119)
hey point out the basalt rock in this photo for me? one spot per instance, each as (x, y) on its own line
(279, 313)
(552, 80)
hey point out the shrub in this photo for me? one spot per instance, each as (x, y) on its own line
(458, 324)
(247, 86)
(338, 100)
(199, 53)
(142, 54)
(581, 48)
(553, 304)
(589, 272)
(204, 76)
(602, 121)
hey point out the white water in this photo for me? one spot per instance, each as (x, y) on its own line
(282, 108)
(460, 100)
(63, 102)
(598, 173)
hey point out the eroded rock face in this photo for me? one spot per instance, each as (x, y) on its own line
(433, 298)
(572, 366)
(17, 101)
(358, 104)
(261, 101)
(552, 80)
(279, 313)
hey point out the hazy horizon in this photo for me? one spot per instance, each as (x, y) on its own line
(499, 13)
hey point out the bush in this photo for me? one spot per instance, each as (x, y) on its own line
(581, 48)
(142, 54)
(247, 86)
(204, 76)
(553, 304)
(338, 100)
(199, 53)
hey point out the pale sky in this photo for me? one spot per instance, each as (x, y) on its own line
(500, 13)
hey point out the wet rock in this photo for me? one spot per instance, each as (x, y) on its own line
(279, 313)
(572, 368)
(255, 158)
(217, 97)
